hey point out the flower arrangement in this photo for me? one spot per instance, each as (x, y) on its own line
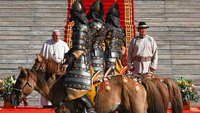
(188, 90)
(6, 87)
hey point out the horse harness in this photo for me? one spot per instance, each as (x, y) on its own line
(27, 83)
(19, 90)
(42, 67)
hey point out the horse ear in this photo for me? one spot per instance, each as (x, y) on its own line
(24, 71)
(20, 67)
(39, 57)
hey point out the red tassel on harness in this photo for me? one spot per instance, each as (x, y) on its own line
(25, 101)
(102, 86)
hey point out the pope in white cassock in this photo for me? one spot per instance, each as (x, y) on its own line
(54, 48)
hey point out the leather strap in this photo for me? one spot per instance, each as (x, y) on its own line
(142, 59)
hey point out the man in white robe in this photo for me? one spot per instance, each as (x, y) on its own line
(142, 52)
(54, 48)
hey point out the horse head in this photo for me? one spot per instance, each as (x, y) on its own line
(24, 86)
(46, 65)
(40, 63)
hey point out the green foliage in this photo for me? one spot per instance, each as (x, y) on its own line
(188, 90)
(6, 87)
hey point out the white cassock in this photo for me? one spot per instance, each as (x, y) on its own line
(143, 47)
(50, 49)
(57, 50)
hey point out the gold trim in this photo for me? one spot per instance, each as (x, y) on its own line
(69, 28)
(128, 20)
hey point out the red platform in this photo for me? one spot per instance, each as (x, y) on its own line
(50, 110)
(193, 110)
(27, 110)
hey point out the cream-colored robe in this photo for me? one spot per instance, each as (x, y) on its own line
(145, 47)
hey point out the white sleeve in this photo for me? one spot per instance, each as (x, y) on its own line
(155, 56)
(43, 50)
(66, 48)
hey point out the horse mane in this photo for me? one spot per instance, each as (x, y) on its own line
(50, 64)
(44, 58)
(39, 75)
(51, 59)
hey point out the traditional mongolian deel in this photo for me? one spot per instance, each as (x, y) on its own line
(143, 53)
(115, 40)
(97, 26)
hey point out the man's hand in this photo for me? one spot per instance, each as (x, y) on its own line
(152, 69)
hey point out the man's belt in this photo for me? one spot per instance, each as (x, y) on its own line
(142, 59)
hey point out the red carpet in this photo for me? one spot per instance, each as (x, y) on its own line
(193, 110)
(27, 110)
(50, 110)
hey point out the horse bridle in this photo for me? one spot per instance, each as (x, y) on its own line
(27, 83)
(18, 92)
(40, 68)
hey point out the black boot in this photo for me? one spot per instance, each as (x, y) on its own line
(86, 103)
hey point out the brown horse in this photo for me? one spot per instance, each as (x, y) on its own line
(131, 95)
(169, 91)
(126, 94)
(49, 65)
(135, 97)
(29, 80)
